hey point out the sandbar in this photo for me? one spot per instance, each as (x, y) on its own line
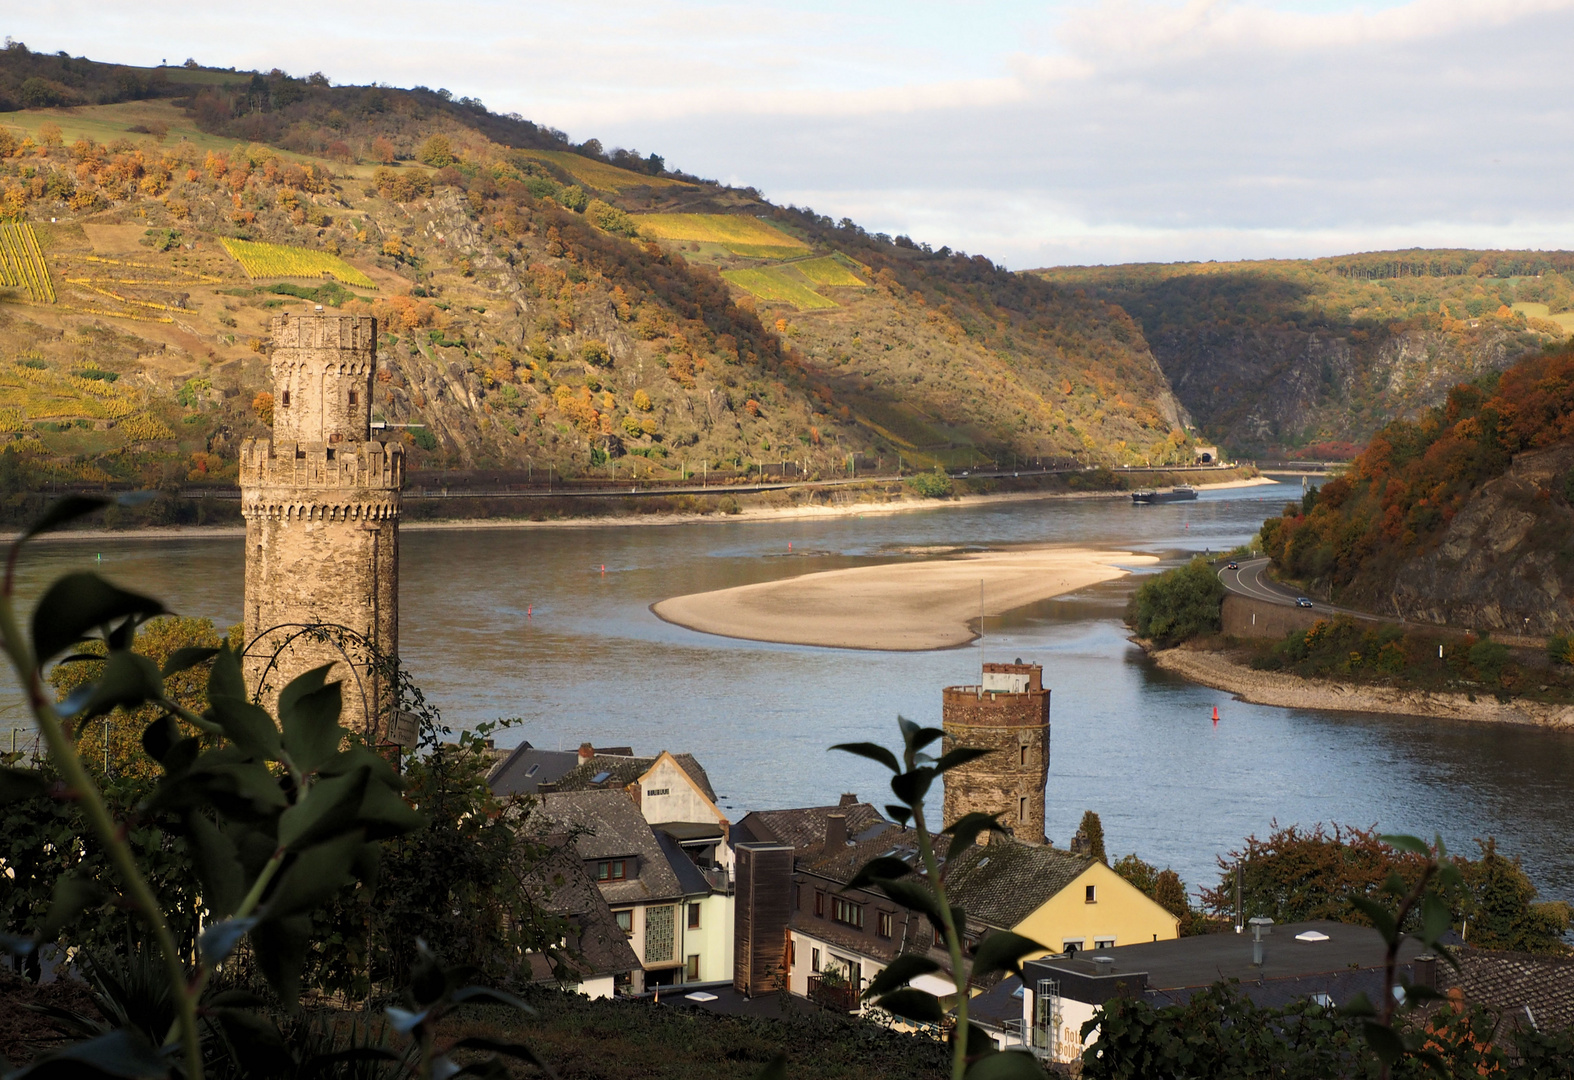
(904, 607)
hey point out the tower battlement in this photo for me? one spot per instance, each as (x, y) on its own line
(321, 502)
(1007, 713)
(265, 463)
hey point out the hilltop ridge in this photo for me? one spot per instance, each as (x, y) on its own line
(540, 303)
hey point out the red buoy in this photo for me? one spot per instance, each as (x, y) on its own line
(1215, 716)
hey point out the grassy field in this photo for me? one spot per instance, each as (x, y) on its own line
(106, 123)
(1564, 319)
(280, 260)
(598, 174)
(22, 263)
(777, 284)
(830, 270)
(738, 233)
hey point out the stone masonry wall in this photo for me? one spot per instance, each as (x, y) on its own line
(321, 503)
(1009, 782)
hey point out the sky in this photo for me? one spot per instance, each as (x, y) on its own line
(1039, 134)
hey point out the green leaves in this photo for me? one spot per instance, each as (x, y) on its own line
(1003, 951)
(121, 1054)
(872, 751)
(1008, 1065)
(309, 713)
(128, 681)
(82, 602)
(899, 972)
(19, 784)
(914, 1005)
(879, 871)
(246, 725)
(965, 829)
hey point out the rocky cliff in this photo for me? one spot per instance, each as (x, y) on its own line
(1506, 560)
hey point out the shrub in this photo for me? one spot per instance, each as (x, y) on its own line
(932, 485)
(437, 152)
(424, 438)
(1178, 604)
(597, 353)
(642, 401)
(1560, 649)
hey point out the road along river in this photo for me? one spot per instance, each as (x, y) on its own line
(554, 625)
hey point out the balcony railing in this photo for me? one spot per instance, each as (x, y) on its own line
(833, 995)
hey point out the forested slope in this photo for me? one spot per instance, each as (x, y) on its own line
(1464, 516)
(1311, 357)
(532, 313)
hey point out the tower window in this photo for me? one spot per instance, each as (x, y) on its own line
(354, 397)
(1024, 753)
(285, 401)
(1022, 809)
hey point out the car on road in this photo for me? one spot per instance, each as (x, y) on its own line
(1301, 601)
(1232, 565)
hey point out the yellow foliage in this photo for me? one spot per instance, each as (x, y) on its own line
(282, 260)
(642, 401)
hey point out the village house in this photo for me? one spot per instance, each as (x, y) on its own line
(834, 940)
(1326, 962)
(594, 956)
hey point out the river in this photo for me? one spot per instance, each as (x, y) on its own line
(553, 626)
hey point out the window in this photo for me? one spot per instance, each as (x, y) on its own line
(797, 897)
(885, 924)
(1091, 895)
(330, 453)
(792, 953)
(1071, 945)
(819, 904)
(612, 870)
(691, 970)
(1022, 809)
(659, 934)
(1104, 943)
(625, 920)
(814, 960)
(1024, 753)
(286, 399)
(354, 397)
(532, 770)
(694, 916)
(848, 913)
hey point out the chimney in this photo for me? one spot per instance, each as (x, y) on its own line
(586, 752)
(1424, 971)
(848, 799)
(835, 831)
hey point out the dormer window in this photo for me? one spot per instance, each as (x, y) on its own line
(612, 870)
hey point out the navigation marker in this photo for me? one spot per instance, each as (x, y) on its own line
(1215, 716)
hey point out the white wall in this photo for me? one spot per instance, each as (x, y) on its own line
(1065, 1039)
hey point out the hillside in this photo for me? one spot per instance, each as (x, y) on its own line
(1311, 357)
(1464, 516)
(540, 303)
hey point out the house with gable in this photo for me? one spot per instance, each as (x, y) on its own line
(835, 940)
(594, 956)
(655, 843)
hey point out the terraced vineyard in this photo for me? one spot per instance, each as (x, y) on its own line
(738, 233)
(598, 174)
(830, 270)
(778, 284)
(39, 393)
(22, 263)
(261, 260)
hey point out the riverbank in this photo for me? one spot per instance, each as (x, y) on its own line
(900, 505)
(1222, 672)
(902, 607)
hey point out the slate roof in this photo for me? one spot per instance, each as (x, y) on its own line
(804, 828)
(1001, 883)
(560, 885)
(527, 767)
(1346, 962)
(623, 771)
(610, 826)
(1513, 981)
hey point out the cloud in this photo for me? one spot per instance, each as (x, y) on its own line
(1028, 131)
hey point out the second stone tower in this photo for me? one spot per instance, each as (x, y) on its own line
(1007, 713)
(321, 502)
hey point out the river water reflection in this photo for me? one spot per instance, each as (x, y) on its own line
(527, 623)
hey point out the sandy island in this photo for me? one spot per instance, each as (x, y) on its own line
(902, 606)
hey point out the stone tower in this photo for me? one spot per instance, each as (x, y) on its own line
(1009, 714)
(321, 503)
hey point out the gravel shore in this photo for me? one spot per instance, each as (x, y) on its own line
(1220, 671)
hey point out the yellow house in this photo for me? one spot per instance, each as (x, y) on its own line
(1063, 901)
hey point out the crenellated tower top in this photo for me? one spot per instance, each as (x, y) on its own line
(322, 378)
